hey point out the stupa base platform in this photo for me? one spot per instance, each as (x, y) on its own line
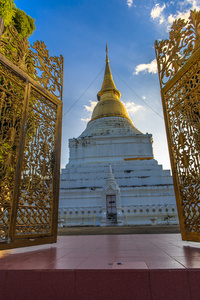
(148, 266)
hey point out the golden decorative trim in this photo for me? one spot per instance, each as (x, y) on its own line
(110, 115)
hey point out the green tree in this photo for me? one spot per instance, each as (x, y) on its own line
(24, 24)
(7, 11)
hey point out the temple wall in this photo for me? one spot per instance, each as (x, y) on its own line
(131, 215)
(110, 148)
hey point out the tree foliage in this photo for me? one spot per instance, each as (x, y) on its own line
(24, 24)
(7, 11)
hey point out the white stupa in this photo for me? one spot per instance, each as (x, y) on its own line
(112, 176)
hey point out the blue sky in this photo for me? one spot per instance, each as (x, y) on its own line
(79, 30)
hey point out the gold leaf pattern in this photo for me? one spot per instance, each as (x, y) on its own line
(11, 105)
(174, 52)
(36, 190)
(34, 60)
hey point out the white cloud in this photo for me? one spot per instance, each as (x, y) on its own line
(165, 14)
(89, 108)
(86, 119)
(132, 107)
(182, 11)
(192, 3)
(180, 15)
(171, 19)
(129, 3)
(150, 68)
(157, 12)
(162, 19)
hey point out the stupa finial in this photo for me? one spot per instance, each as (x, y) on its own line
(108, 85)
(107, 60)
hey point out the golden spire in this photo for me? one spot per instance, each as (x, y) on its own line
(107, 53)
(109, 104)
(108, 83)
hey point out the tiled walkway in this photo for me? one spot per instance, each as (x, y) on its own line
(154, 266)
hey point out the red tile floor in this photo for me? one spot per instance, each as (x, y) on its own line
(153, 266)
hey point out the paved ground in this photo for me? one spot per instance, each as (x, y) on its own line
(110, 267)
(119, 230)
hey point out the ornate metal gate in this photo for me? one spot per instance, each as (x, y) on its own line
(30, 139)
(178, 62)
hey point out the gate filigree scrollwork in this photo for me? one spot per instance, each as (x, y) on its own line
(34, 60)
(36, 190)
(30, 141)
(179, 72)
(11, 106)
(173, 53)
